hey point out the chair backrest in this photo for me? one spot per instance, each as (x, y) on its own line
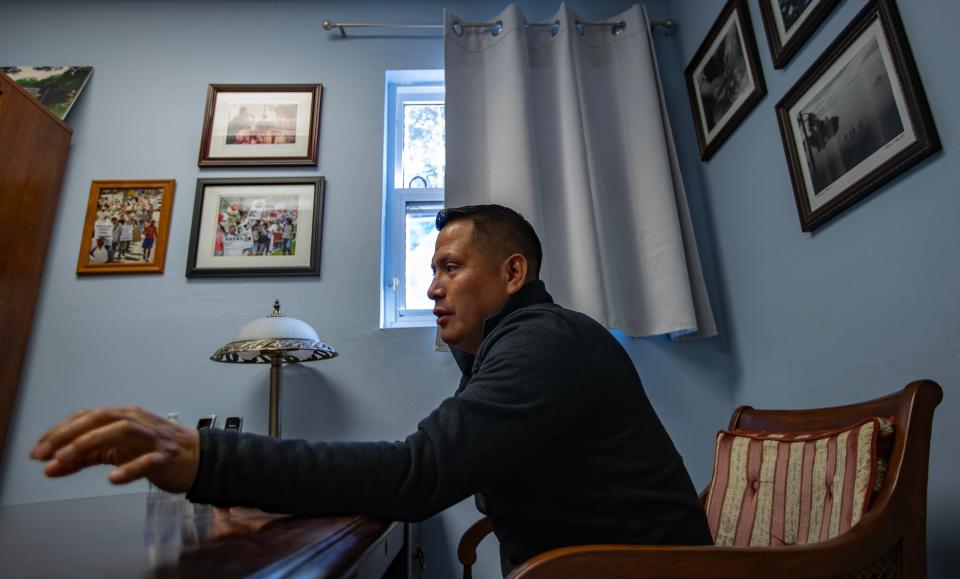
(900, 504)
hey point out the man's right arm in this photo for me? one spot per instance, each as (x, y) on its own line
(511, 407)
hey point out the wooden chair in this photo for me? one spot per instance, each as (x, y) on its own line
(889, 541)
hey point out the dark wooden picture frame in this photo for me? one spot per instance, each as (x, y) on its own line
(845, 131)
(724, 78)
(260, 124)
(788, 31)
(126, 228)
(256, 227)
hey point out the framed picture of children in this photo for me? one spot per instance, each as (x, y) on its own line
(256, 227)
(246, 124)
(126, 227)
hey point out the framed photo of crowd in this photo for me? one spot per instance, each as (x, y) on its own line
(789, 23)
(126, 227)
(724, 79)
(856, 119)
(247, 124)
(256, 227)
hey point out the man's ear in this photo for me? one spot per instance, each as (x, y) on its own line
(515, 272)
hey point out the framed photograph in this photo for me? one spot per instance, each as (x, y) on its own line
(126, 227)
(256, 227)
(57, 87)
(260, 124)
(790, 23)
(724, 79)
(857, 118)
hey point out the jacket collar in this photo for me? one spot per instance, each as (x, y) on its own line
(535, 292)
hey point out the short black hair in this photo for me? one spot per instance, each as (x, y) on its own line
(499, 227)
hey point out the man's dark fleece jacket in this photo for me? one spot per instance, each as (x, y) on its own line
(550, 427)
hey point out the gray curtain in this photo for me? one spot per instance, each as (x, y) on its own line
(566, 124)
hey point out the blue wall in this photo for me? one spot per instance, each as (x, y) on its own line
(146, 339)
(868, 302)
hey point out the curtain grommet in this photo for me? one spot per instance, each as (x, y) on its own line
(580, 28)
(496, 28)
(457, 28)
(618, 28)
(555, 28)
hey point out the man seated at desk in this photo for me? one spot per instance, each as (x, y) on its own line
(550, 427)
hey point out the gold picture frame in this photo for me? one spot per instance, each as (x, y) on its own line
(126, 228)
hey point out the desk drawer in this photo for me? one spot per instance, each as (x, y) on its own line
(378, 557)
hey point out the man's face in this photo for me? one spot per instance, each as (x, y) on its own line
(468, 286)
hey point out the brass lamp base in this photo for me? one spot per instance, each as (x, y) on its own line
(276, 379)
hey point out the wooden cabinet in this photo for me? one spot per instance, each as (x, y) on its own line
(34, 145)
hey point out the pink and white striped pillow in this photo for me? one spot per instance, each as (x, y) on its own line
(772, 489)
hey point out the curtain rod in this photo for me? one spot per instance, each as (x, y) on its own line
(668, 24)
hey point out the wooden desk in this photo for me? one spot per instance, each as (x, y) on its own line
(159, 535)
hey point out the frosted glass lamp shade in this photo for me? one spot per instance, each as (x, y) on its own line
(275, 336)
(275, 340)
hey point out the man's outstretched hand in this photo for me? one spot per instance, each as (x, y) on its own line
(138, 443)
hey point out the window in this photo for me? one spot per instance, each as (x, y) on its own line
(414, 163)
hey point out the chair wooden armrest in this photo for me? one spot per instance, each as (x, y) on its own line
(467, 551)
(871, 546)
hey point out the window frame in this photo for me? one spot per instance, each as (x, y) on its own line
(402, 87)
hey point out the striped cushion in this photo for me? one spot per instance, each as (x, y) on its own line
(771, 489)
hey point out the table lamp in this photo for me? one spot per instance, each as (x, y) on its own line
(275, 340)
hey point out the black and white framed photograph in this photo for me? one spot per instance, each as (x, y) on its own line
(260, 124)
(790, 23)
(724, 80)
(256, 227)
(856, 119)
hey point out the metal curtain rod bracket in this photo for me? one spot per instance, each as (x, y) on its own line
(668, 24)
